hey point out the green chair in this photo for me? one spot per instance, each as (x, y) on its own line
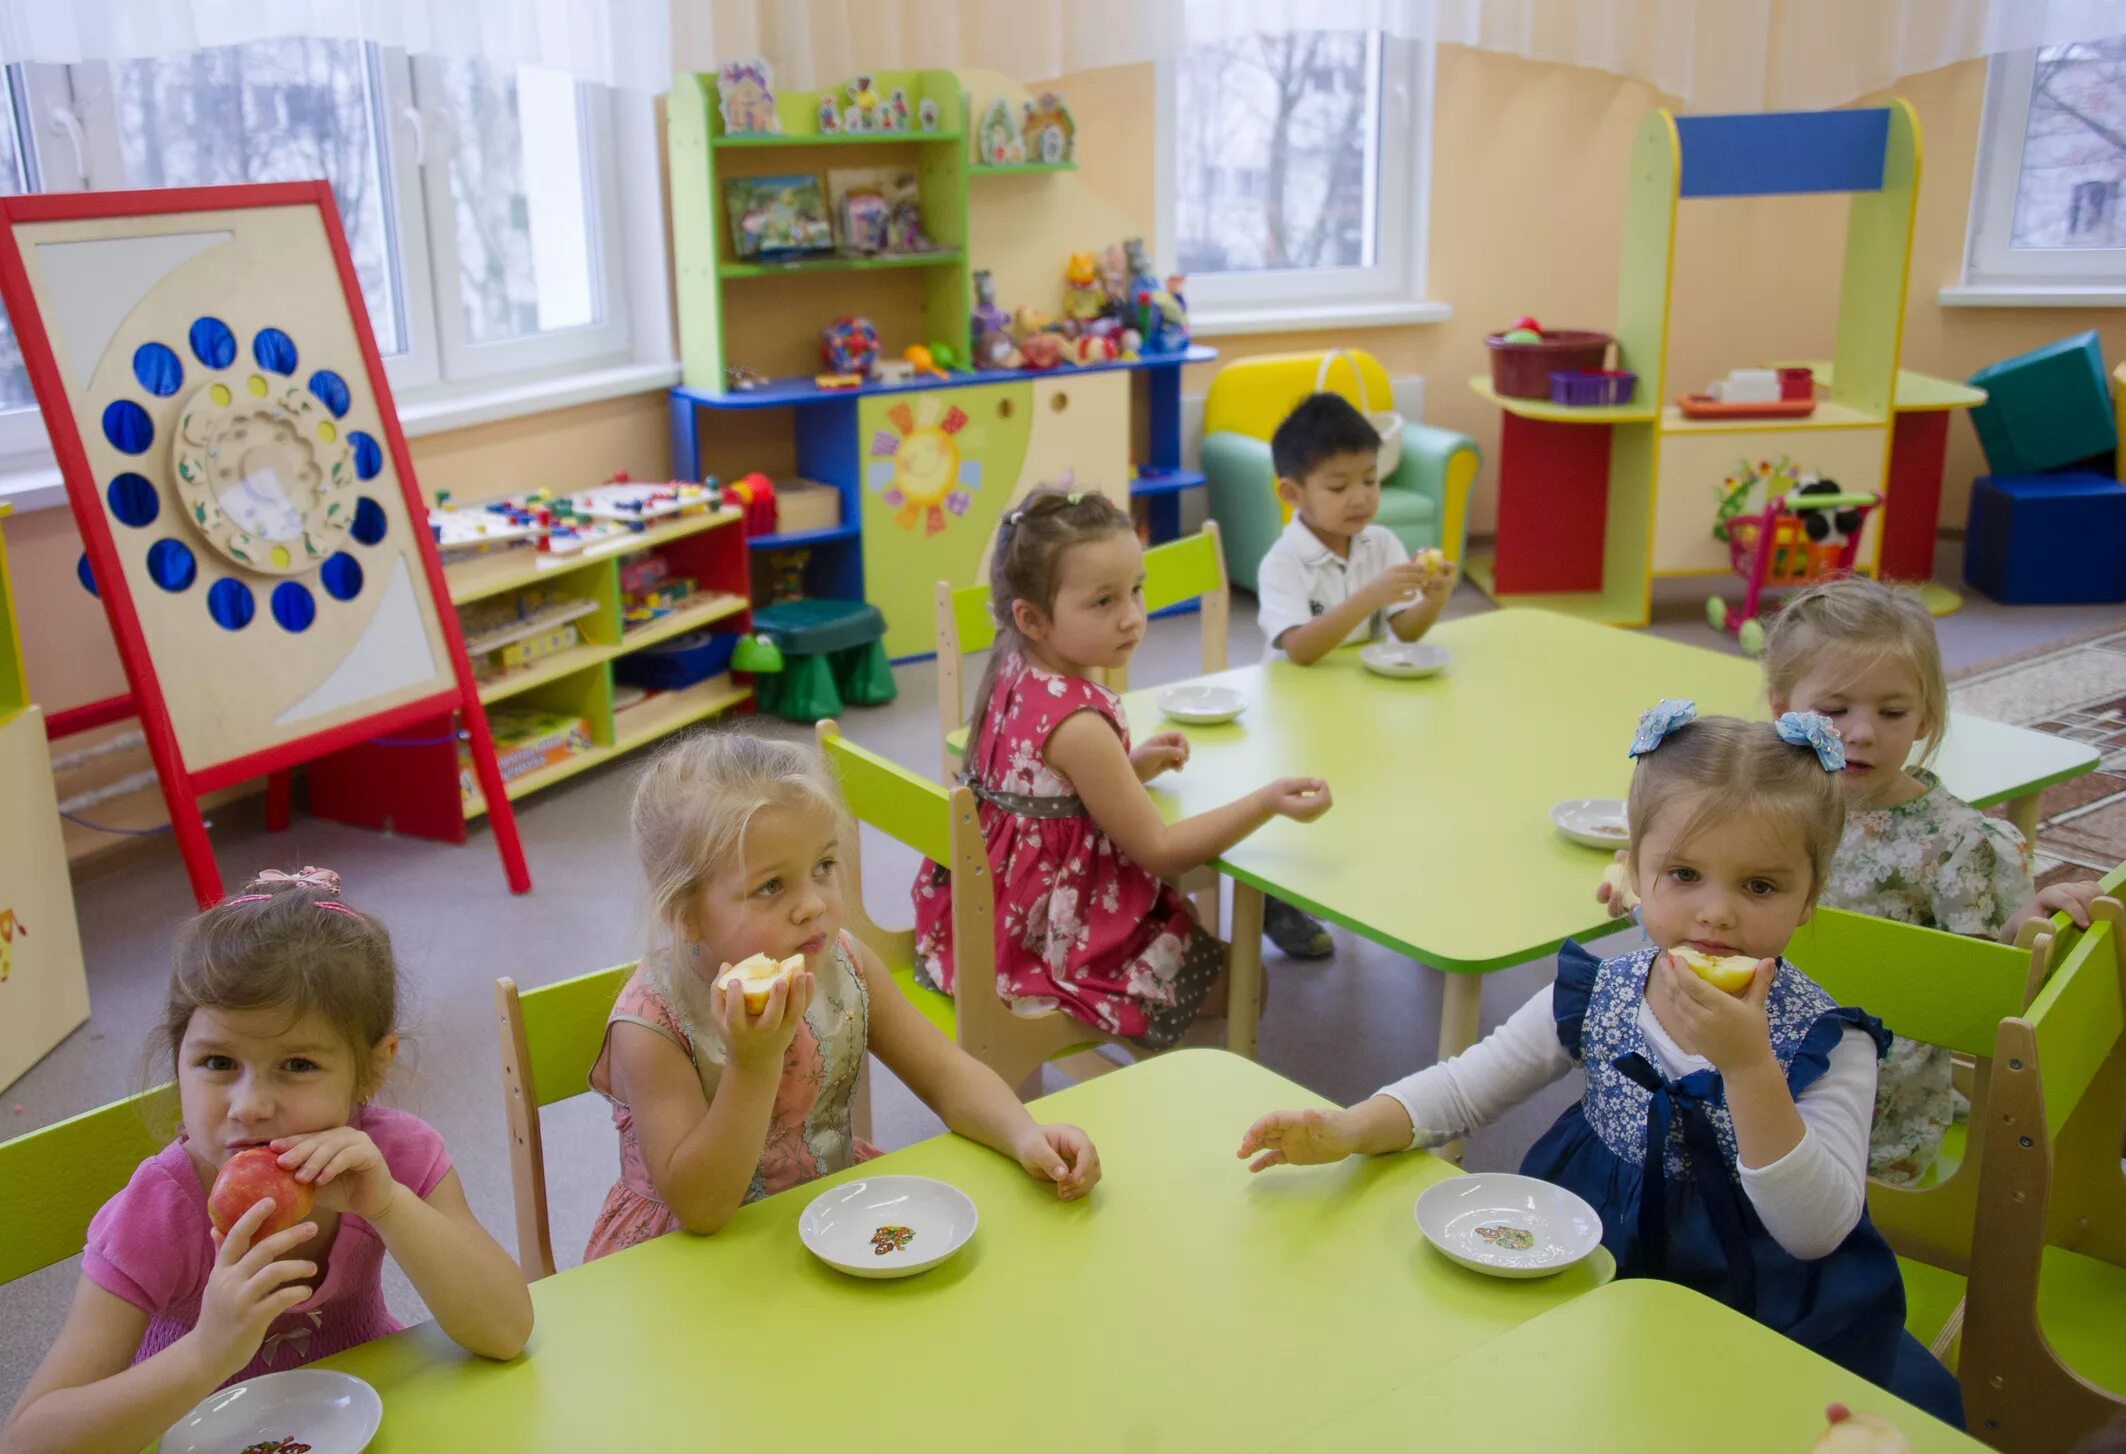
(832, 653)
(1425, 501)
(1944, 989)
(551, 1037)
(944, 828)
(53, 1181)
(2043, 1363)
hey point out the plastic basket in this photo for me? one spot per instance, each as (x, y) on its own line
(1795, 559)
(1593, 388)
(1523, 370)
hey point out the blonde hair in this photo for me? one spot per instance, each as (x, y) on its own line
(1727, 768)
(1857, 615)
(696, 798)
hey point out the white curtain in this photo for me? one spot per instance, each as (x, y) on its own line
(624, 43)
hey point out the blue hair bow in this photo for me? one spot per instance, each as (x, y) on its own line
(1813, 729)
(1657, 721)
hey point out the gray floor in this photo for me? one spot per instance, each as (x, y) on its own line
(1342, 1027)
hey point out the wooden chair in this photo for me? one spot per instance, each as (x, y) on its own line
(52, 1181)
(2043, 1364)
(945, 829)
(1944, 989)
(551, 1037)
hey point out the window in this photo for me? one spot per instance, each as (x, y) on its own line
(480, 202)
(2048, 207)
(1292, 175)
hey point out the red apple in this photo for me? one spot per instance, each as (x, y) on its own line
(247, 1178)
(1527, 321)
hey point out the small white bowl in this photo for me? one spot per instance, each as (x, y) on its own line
(1507, 1225)
(846, 1226)
(1596, 822)
(1202, 703)
(334, 1413)
(1404, 658)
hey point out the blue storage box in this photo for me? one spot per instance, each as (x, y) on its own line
(680, 662)
(2047, 409)
(2051, 539)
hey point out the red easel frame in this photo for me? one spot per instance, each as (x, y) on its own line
(183, 783)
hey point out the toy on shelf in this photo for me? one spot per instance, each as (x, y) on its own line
(503, 633)
(865, 110)
(943, 355)
(682, 662)
(837, 381)
(745, 95)
(755, 495)
(1163, 318)
(830, 119)
(893, 371)
(526, 739)
(1792, 542)
(988, 322)
(1042, 350)
(1750, 394)
(1593, 388)
(649, 590)
(777, 218)
(1083, 298)
(923, 359)
(997, 141)
(499, 525)
(849, 345)
(878, 210)
(927, 116)
(629, 503)
(1047, 129)
(1523, 358)
(783, 574)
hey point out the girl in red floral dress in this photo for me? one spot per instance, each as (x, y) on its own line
(1085, 924)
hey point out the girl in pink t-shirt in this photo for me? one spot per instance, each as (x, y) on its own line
(280, 1026)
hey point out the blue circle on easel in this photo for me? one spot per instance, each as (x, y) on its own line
(86, 576)
(329, 389)
(157, 368)
(342, 577)
(293, 606)
(274, 350)
(368, 455)
(133, 500)
(230, 603)
(128, 427)
(171, 565)
(212, 343)
(369, 521)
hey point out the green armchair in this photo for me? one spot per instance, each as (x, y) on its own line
(1425, 502)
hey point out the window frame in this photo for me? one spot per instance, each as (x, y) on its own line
(1993, 271)
(1391, 291)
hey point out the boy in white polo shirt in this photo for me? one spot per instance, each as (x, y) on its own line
(1334, 576)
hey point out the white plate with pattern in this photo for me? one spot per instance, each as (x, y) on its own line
(324, 1411)
(1202, 704)
(1404, 658)
(887, 1226)
(1507, 1225)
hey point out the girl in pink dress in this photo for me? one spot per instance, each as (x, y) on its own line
(716, 1107)
(280, 1023)
(1084, 922)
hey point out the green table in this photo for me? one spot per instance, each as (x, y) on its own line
(1440, 844)
(1630, 1368)
(1184, 1306)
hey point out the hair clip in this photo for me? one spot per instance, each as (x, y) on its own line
(317, 878)
(1813, 730)
(1657, 721)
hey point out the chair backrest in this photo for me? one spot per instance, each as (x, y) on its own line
(2076, 1022)
(1252, 396)
(551, 1037)
(913, 812)
(53, 1180)
(1944, 989)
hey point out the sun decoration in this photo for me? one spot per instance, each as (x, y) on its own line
(917, 466)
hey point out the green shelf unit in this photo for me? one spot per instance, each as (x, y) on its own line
(822, 138)
(1008, 169)
(943, 258)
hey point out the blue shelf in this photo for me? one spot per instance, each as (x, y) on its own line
(784, 392)
(1163, 482)
(793, 538)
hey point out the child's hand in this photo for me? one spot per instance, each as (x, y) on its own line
(1299, 1138)
(345, 1167)
(1166, 752)
(1398, 583)
(1614, 891)
(2075, 898)
(1063, 1155)
(1302, 799)
(758, 1041)
(249, 1288)
(1439, 583)
(1729, 1030)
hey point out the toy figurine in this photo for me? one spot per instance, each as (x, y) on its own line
(830, 120)
(785, 572)
(1029, 321)
(1082, 299)
(897, 108)
(1114, 280)
(746, 97)
(923, 360)
(1041, 350)
(849, 345)
(943, 355)
(1095, 348)
(987, 316)
(998, 142)
(1139, 263)
(926, 114)
(862, 112)
(1047, 130)
(1164, 317)
(995, 350)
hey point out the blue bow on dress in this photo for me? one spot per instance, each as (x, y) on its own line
(1689, 1100)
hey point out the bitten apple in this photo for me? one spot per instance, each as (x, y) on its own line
(1728, 973)
(755, 975)
(250, 1176)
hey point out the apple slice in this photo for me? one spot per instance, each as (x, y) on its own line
(755, 975)
(1620, 894)
(1728, 973)
(249, 1177)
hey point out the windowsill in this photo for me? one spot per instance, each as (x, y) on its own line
(35, 484)
(1307, 317)
(2032, 295)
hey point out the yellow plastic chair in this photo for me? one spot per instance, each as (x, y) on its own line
(944, 828)
(1425, 501)
(1943, 989)
(551, 1037)
(53, 1181)
(2043, 1363)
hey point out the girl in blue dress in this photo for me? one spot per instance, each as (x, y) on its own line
(1722, 1138)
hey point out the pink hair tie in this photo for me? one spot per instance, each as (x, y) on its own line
(334, 906)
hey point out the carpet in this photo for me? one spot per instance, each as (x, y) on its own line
(2078, 691)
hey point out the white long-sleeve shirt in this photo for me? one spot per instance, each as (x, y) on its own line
(1808, 1199)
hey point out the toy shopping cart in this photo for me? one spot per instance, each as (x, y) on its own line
(1798, 539)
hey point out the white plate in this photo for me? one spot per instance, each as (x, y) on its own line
(1202, 704)
(1404, 658)
(334, 1413)
(842, 1223)
(1596, 822)
(1479, 1220)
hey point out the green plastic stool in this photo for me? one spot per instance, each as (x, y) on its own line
(833, 653)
